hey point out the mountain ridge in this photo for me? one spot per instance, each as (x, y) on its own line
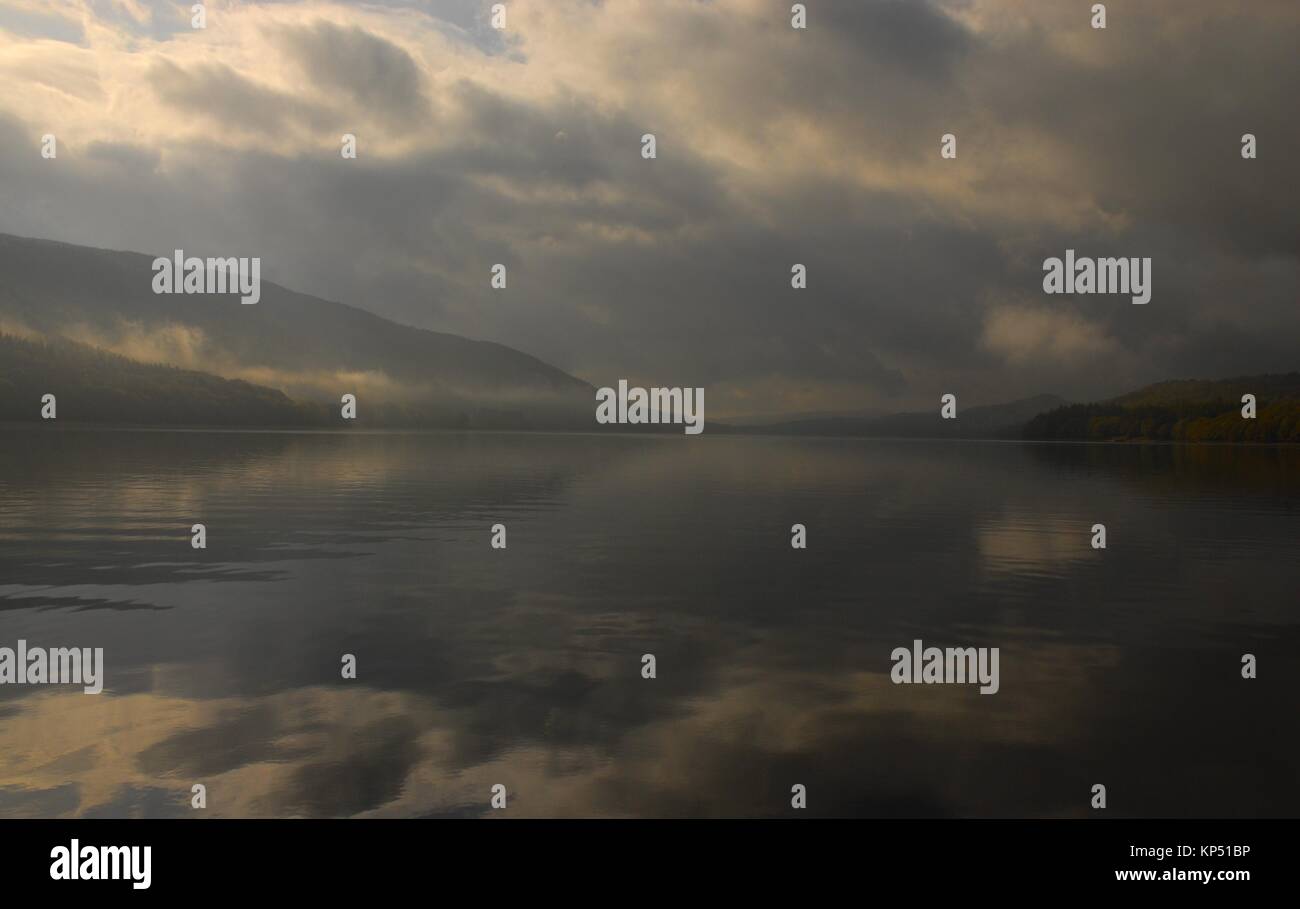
(1182, 410)
(290, 340)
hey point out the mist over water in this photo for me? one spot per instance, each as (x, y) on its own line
(522, 666)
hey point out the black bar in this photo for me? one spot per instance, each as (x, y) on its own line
(333, 858)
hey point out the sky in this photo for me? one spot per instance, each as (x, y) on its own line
(775, 146)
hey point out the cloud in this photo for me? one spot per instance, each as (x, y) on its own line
(1029, 333)
(776, 146)
(376, 74)
(231, 102)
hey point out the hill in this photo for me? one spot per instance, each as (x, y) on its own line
(311, 349)
(94, 386)
(1183, 411)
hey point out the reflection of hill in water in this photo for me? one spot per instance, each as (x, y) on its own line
(1240, 470)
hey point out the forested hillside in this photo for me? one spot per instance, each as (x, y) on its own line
(1183, 411)
(91, 385)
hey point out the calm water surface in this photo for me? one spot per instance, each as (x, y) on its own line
(523, 666)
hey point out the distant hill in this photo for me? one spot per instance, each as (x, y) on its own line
(94, 386)
(1183, 411)
(996, 421)
(310, 349)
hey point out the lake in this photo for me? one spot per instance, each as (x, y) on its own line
(523, 666)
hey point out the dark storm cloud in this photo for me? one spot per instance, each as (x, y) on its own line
(1156, 130)
(376, 74)
(909, 37)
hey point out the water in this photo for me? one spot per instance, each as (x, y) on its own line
(523, 667)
